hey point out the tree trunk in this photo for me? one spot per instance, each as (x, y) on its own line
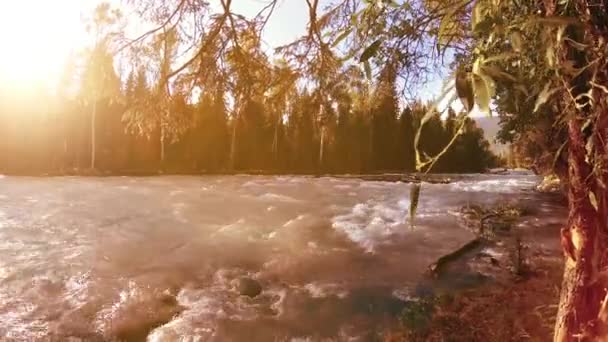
(162, 145)
(321, 148)
(584, 241)
(583, 307)
(93, 141)
(275, 141)
(233, 144)
(370, 148)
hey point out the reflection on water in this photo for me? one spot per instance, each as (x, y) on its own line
(157, 258)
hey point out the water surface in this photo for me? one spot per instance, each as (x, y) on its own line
(156, 258)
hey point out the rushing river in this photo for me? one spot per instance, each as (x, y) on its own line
(156, 259)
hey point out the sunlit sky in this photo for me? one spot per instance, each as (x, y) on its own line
(36, 37)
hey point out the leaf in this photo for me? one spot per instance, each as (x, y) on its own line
(477, 65)
(370, 51)
(522, 89)
(499, 57)
(576, 45)
(555, 21)
(341, 37)
(368, 70)
(496, 73)
(544, 96)
(570, 70)
(586, 125)
(601, 183)
(464, 90)
(349, 55)
(482, 93)
(559, 152)
(414, 198)
(560, 34)
(476, 15)
(550, 56)
(593, 200)
(490, 84)
(355, 17)
(589, 147)
(516, 41)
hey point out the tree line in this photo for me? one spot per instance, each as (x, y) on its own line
(364, 131)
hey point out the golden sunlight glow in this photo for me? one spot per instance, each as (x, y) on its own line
(36, 37)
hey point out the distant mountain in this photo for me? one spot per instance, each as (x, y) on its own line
(490, 129)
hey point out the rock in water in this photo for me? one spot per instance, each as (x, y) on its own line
(249, 287)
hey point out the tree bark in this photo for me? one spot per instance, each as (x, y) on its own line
(233, 144)
(162, 145)
(583, 307)
(584, 242)
(275, 141)
(321, 148)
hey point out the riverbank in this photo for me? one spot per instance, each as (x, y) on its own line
(514, 298)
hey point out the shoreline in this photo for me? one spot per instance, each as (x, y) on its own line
(391, 176)
(478, 312)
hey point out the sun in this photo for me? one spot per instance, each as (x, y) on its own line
(36, 37)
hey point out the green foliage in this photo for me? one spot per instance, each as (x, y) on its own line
(370, 51)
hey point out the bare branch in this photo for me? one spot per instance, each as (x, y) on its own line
(162, 26)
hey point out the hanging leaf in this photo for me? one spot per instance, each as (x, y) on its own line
(601, 183)
(550, 56)
(354, 19)
(586, 125)
(368, 70)
(499, 57)
(490, 84)
(414, 198)
(483, 93)
(349, 55)
(464, 90)
(370, 51)
(341, 37)
(555, 21)
(516, 41)
(560, 34)
(589, 147)
(476, 15)
(544, 96)
(559, 152)
(593, 200)
(522, 89)
(576, 45)
(569, 69)
(477, 65)
(496, 73)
